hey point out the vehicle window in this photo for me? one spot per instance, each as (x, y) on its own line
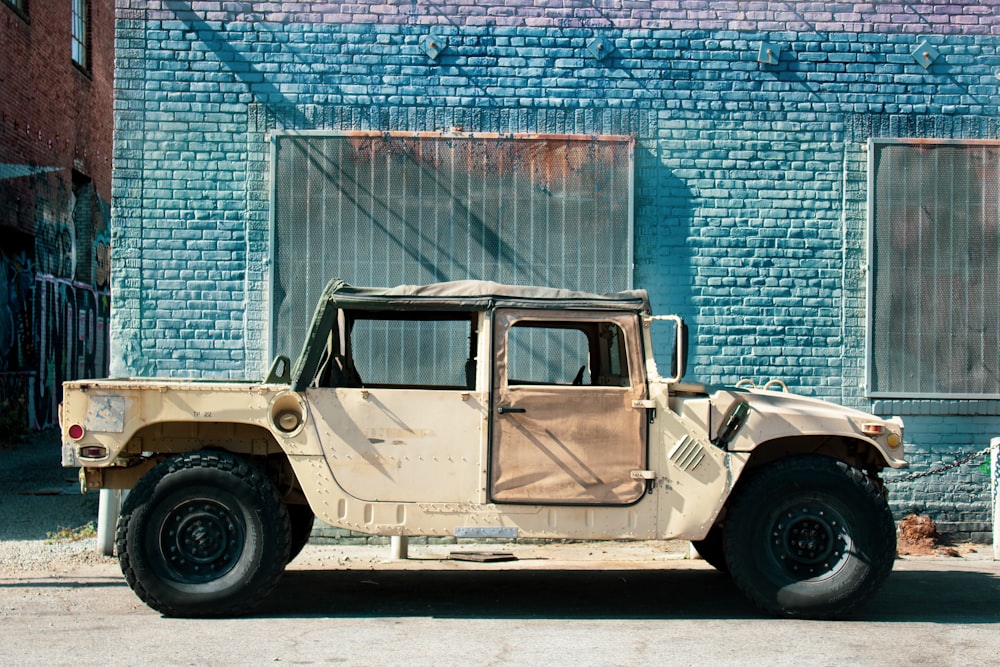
(425, 350)
(570, 353)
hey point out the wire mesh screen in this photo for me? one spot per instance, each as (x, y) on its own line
(547, 356)
(388, 209)
(412, 352)
(935, 325)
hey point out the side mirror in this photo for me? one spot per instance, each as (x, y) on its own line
(679, 344)
(678, 363)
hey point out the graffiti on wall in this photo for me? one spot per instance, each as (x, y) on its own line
(55, 330)
(54, 296)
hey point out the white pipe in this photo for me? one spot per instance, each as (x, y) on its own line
(109, 507)
(400, 547)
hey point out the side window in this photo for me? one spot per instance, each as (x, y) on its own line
(425, 350)
(567, 353)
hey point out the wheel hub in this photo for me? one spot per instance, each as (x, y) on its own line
(201, 540)
(808, 541)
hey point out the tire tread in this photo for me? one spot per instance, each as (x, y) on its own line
(248, 475)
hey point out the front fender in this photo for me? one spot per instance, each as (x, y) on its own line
(782, 416)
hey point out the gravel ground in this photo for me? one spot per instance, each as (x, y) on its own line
(44, 514)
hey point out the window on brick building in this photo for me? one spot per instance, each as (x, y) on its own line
(387, 209)
(80, 44)
(20, 6)
(934, 279)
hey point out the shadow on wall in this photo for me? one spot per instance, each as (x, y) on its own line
(663, 217)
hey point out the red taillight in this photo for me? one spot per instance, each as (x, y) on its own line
(93, 452)
(75, 432)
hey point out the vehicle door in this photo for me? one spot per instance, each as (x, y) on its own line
(397, 409)
(568, 425)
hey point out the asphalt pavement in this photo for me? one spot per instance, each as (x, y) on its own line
(621, 603)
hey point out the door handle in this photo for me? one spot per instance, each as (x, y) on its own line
(504, 410)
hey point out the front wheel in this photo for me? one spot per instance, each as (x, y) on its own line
(711, 550)
(301, 519)
(809, 537)
(203, 534)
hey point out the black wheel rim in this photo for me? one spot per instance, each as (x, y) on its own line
(200, 540)
(809, 541)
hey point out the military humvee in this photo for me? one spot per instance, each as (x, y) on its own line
(474, 409)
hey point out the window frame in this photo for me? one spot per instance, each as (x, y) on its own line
(19, 7)
(80, 33)
(871, 391)
(602, 356)
(343, 350)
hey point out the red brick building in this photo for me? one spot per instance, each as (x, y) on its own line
(56, 117)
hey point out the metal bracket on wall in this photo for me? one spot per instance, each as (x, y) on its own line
(601, 47)
(925, 54)
(433, 46)
(768, 53)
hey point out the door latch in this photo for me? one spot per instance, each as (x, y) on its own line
(649, 476)
(646, 404)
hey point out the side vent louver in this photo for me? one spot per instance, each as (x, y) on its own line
(687, 453)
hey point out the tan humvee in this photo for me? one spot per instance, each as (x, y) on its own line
(473, 409)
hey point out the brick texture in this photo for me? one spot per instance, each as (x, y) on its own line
(55, 193)
(750, 179)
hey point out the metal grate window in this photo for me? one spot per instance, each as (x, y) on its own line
(412, 352)
(391, 208)
(934, 321)
(547, 356)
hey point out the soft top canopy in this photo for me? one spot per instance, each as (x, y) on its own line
(477, 295)
(459, 295)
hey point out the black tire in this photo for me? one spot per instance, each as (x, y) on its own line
(711, 550)
(301, 518)
(203, 534)
(809, 537)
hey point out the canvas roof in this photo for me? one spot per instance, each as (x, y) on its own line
(478, 295)
(459, 295)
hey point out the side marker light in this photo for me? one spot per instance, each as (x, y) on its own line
(93, 452)
(873, 429)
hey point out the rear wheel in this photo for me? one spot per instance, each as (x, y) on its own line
(809, 537)
(203, 534)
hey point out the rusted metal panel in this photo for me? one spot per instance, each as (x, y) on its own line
(935, 259)
(388, 208)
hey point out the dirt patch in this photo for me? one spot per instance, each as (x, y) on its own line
(918, 536)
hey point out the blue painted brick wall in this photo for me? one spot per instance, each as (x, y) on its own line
(751, 179)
